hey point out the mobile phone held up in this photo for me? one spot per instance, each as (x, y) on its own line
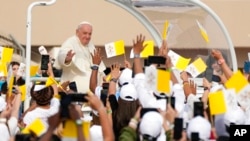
(44, 62)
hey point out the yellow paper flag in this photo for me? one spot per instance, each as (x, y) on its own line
(200, 65)
(23, 91)
(197, 67)
(148, 50)
(33, 70)
(10, 86)
(3, 69)
(178, 61)
(217, 103)
(37, 127)
(163, 79)
(182, 63)
(50, 81)
(108, 77)
(203, 32)
(165, 30)
(6, 54)
(115, 48)
(237, 81)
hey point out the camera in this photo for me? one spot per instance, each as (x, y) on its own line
(156, 60)
(67, 99)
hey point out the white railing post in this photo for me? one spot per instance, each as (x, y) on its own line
(28, 45)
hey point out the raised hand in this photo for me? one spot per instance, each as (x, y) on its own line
(216, 54)
(127, 64)
(97, 58)
(63, 86)
(50, 70)
(74, 112)
(184, 76)
(94, 102)
(163, 49)
(115, 71)
(69, 56)
(138, 44)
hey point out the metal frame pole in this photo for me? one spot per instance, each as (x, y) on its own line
(28, 45)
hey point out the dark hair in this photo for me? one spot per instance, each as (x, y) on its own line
(43, 96)
(14, 63)
(124, 112)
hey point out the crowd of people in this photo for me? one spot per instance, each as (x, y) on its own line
(118, 107)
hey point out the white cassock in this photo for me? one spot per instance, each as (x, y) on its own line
(79, 69)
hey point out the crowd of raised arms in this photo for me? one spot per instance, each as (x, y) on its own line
(122, 105)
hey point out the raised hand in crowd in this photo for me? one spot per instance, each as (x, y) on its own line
(163, 51)
(96, 104)
(115, 71)
(138, 46)
(115, 74)
(169, 115)
(63, 86)
(186, 85)
(127, 64)
(221, 61)
(96, 57)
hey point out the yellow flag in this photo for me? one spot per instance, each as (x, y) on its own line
(237, 81)
(178, 61)
(165, 30)
(203, 32)
(200, 65)
(23, 91)
(115, 48)
(148, 50)
(217, 103)
(3, 69)
(37, 127)
(50, 81)
(108, 77)
(163, 79)
(10, 86)
(182, 63)
(196, 68)
(6, 54)
(33, 70)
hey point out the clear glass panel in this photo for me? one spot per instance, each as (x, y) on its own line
(184, 32)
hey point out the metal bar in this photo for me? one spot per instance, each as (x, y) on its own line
(28, 45)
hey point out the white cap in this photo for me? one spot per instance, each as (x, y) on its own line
(234, 115)
(151, 124)
(126, 76)
(128, 92)
(199, 125)
(39, 87)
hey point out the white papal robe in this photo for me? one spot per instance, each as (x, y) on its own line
(79, 69)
